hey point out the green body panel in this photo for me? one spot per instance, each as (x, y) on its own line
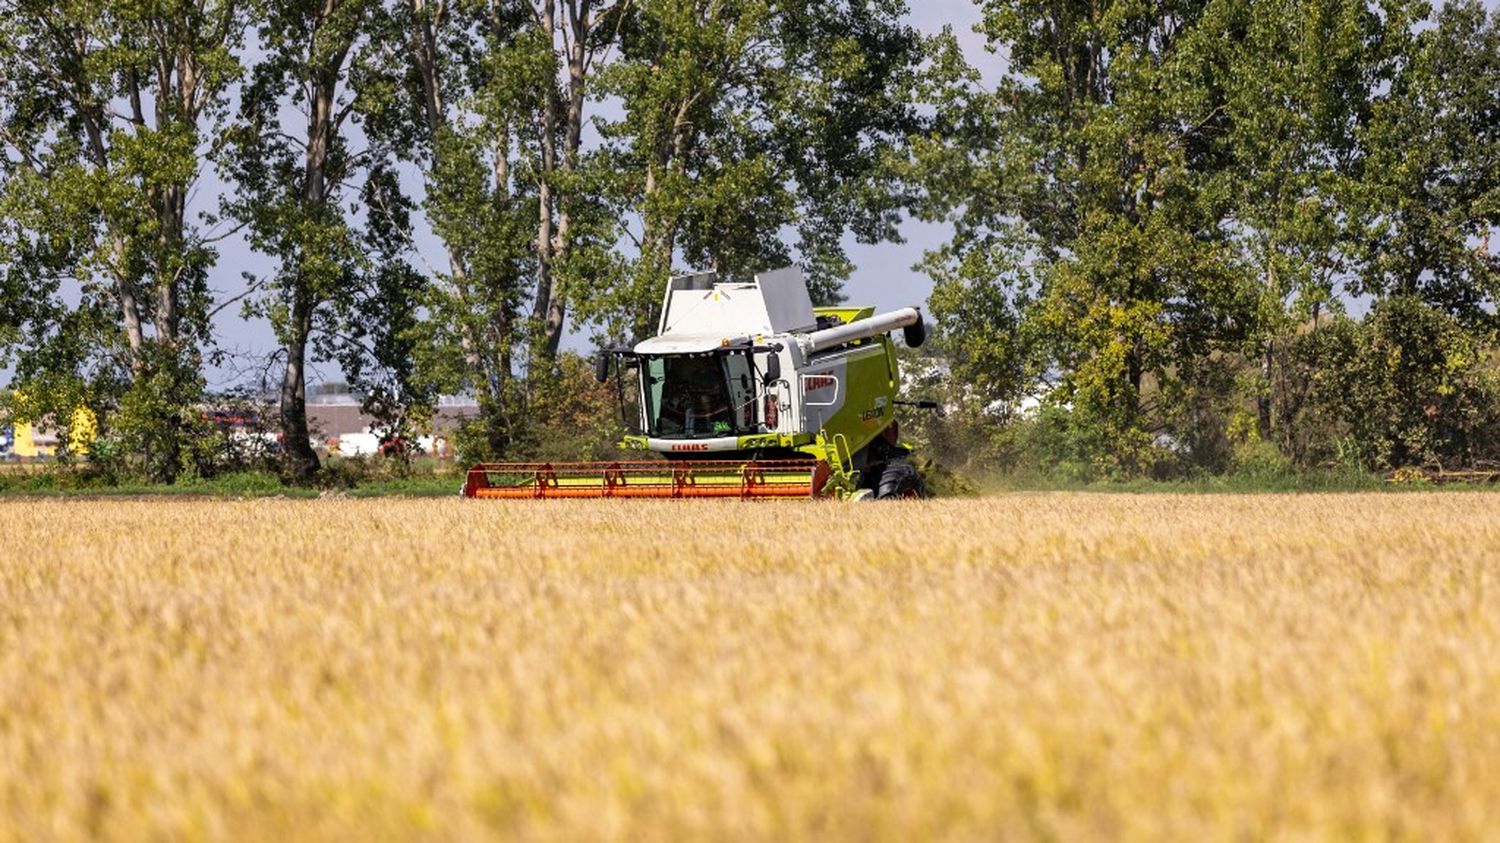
(847, 314)
(870, 381)
(869, 392)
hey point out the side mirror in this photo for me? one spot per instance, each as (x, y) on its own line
(601, 367)
(773, 369)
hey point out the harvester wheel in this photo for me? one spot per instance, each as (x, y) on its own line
(900, 480)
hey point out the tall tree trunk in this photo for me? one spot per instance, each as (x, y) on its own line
(546, 207)
(487, 373)
(580, 23)
(168, 319)
(550, 304)
(659, 243)
(1263, 399)
(424, 43)
(168, 360)
(497, 359)
(125, 292)
(178, 103)
(130, 312)
(300, 458)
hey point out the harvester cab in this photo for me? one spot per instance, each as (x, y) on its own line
(747, 391)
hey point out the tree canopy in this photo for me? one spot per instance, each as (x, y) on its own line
(1175, 232)
(1157, 194)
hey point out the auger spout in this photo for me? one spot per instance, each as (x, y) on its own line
(870, 326)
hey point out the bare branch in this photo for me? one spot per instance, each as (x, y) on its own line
(250, 290)
(210, 239)
(25, 153)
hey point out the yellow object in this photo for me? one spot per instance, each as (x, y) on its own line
(24, 446)
(83, 429)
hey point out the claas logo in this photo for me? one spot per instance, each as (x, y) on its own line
(813, 383)
(696, 446)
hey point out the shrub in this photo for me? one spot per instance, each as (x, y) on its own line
(1406, 386)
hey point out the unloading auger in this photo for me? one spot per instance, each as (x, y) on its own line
(747, 391)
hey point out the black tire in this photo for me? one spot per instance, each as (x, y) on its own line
(900, 480)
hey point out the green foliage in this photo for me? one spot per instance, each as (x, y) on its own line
(1407, 386)
(740, 121)
(1432, 185)
(567, 415)
(1154, 197)
(1260, 463)
(1089, 240)
(291, 194)
(156, 420)
(466, 112)
(1157, 216)
(1201, 417)
(748, 119)
(108, 112)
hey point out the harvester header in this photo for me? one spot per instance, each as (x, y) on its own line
(746, 391)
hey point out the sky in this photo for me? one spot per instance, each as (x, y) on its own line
(883, 274)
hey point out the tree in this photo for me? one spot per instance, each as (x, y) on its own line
(1088, 203)
(108, 110)
(792, 125)
(1408, 385)
(374, 328)
(1432, 186)
(1299, 83)
(1156, 191)
(745, 119)
(290, 188)
(984, 278)
(1362, 164)
(583, 29)
(492, 110)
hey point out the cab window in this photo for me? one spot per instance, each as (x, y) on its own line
(687, 396)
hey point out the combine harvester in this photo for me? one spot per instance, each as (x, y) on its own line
(749, 392)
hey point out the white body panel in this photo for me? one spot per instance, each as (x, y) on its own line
(686, 343)
(812, 389)
(701, 313)
(821, 390)
(691, 446)
(788, 307)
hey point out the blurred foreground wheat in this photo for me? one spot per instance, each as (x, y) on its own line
(1066, 667)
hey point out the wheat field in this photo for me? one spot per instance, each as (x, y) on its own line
(1022, 667)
